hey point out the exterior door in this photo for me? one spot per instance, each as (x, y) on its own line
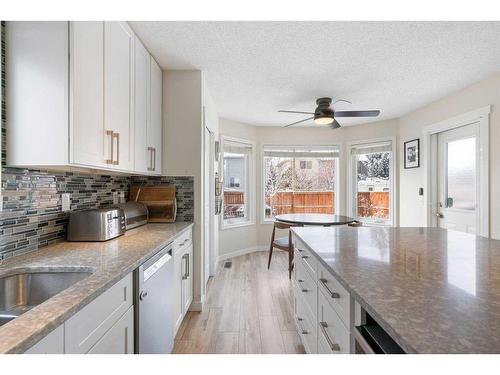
(457, 177)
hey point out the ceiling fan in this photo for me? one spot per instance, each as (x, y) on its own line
(326, 115)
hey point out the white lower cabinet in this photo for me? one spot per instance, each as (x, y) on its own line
(183, 276)
(53, 343)
(323, 307)
(119, 339)
(104, 326)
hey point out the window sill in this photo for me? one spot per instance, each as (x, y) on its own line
(237, 225)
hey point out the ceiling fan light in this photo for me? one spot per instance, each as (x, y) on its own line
(323, 120)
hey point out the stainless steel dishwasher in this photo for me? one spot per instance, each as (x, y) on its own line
(154, 282)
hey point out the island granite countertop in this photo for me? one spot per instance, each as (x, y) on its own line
(108, 261)
(433, 290)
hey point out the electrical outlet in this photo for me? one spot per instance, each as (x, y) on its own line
(66, 201)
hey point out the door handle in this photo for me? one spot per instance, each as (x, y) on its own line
(143, 295)
(439, 215)
(110, 160)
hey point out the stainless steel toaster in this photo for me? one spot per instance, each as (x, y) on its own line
(96, 225)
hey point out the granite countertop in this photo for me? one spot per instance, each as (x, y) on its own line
(432, 290)
(108, 261)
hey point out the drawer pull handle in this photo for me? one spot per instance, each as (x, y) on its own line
(304, 290)
(300, 281)
(299, 250)
(302, 330)
(305, 256)
(332, 294)
(334, 347)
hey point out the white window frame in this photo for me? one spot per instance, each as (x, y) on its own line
(336, 188)
(351, 174)
(250, 188)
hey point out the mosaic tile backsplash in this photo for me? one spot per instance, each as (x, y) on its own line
(32, 215)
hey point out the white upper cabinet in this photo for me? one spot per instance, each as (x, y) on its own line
(72, 97)
(87, 131)
(148, 99)
(141, 111)
(37, 92)
(118, 94)
(155, 122)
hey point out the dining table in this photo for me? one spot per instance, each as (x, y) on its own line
(315, 219)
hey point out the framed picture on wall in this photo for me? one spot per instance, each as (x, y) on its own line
(412, 154)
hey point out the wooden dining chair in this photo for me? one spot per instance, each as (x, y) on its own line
(282, 243)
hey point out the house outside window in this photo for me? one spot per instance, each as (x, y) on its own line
(299, 179)
(237, 175)
(372, 192)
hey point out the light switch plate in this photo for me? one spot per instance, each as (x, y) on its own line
(66, 201)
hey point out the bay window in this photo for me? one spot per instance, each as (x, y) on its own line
(299, 179)
(237, 181)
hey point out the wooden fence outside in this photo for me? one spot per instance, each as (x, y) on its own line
(370, 204)
(287, 202)
(373, 204)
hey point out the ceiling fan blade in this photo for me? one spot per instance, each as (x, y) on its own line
(334, 124)
(305, 113)
(298, 122)
(373, 113)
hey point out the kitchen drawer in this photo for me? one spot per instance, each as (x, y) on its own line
(331, 330)
(183, 240)
(305, 255)
(306, 287)
(335, 294)
(84, 329)
(306, 325)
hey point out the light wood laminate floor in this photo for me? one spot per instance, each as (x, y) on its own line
(249, 309)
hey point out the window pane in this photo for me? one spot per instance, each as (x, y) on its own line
(462, 174)
(236, 182)
(373, 186)
(299, 185)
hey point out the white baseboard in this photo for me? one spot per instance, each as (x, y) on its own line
(236, 253)
(197, 305)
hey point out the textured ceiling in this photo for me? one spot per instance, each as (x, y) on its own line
(255, 68)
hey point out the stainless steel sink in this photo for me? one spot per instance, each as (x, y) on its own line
(22, 291)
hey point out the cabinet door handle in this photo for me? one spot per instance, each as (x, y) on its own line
(304, 290)
(150, 152)
(332, 294)
(188, 265)
(117, 137)
(110, 160)
(334, 347)
(302, 330)
(154, 158)
(185, 276)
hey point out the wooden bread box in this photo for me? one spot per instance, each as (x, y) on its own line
(160, 201)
